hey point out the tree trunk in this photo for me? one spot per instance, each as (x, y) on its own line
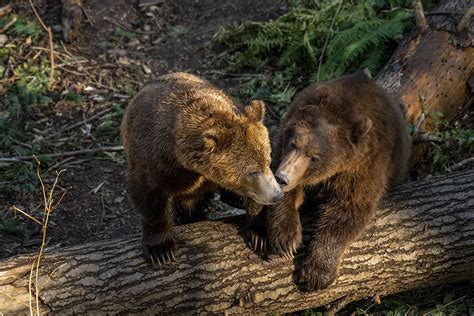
(422, 235)
(431, 68)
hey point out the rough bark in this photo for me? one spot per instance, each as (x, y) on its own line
(430, 69)
(423, 235)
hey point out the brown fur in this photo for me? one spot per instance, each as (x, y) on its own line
(184, 137)
(342, 143)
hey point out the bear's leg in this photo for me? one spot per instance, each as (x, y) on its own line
(157, 217)
(283, 224)
(334, 230)
(193, 208)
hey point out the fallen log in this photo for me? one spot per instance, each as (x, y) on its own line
(422, 236)
(431, 68)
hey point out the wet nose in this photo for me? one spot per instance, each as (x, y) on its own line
(281, 178)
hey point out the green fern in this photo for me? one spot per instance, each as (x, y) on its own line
(362, 35)
(22, 27)
(349, 47)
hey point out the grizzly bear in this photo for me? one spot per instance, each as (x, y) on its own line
(184, 137)
(341, 144)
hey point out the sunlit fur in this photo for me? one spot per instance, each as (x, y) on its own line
(357, 137)
(184, 138)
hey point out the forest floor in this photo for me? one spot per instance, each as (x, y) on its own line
(120, 47)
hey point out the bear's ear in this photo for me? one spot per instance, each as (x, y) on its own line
(214, 138)
(359, 130)
(255, 110)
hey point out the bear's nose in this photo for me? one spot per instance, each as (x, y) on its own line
(282, 178)
(279, 196)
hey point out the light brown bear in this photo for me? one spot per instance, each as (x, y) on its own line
(342, 143)
(184, 137)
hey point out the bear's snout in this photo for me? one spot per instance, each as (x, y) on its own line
(267, 190)
(282, 178)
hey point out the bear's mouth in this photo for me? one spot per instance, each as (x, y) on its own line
(287, 187)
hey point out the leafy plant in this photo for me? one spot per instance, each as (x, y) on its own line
(12, 226)
(454, 145)
(316, 40)
(22, 27)
(124, 34)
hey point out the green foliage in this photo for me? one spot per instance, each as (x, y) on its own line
(455, 144)
(388, 308)
(22, 27)
(72, 97)
(23, 98)
(33, 76)
(124, 34)
(359, 37)
(451, 303)
(177, 31)
(363, 45)
(275, 89)
(343, 37)
(109, 125)
(14, 227)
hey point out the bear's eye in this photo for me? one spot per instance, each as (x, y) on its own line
(293, 144)
(253, 174)
(315, 158)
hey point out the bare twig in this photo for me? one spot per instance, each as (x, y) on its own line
(465, 19)
(67, 128)
(425, 137)
(48, 208)
(461, 164)
(9, 24)
(416, 128)
(420, 18)
(445, 305)
(5, 10)
(326, 42)
(62, 162)
(63, 154)
(51, 48)
(16, 209)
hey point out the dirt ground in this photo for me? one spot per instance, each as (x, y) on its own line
(119, 48)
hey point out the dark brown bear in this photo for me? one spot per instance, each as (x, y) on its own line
(184, 137)
(342, 144)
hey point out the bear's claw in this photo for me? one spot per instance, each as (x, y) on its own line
(162, 259)
(285, 245)
(160, 254)
(257, 241)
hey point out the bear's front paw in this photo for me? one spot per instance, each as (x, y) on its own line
(159, 250)
(285, 240)
(315, 276)
(257, 239)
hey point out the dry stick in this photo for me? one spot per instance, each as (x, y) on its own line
(62, 162)
(67, 128)
(465, 19)
(461, 164)
(9, 24)
(425, 137)
(326, 42)
(51, 48)
(420, 18)
(5, 10)
(63, 154)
